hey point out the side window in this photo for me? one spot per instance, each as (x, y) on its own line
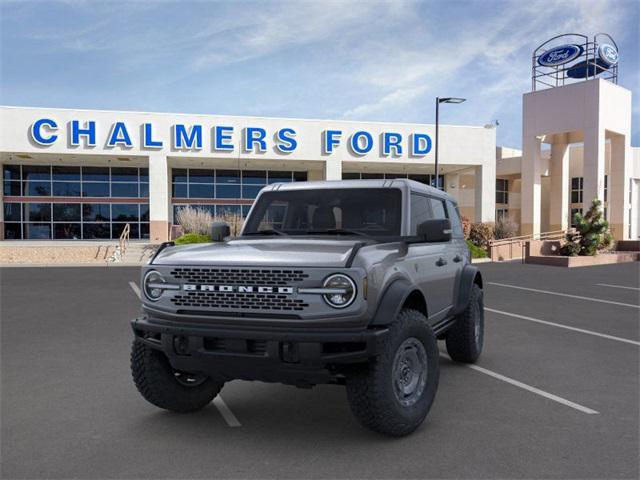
(437, 207)
(420, 211)
(456, 223)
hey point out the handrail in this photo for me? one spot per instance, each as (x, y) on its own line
(497, 247)
(537, 236)
(123, 242)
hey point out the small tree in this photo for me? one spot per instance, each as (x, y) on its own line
(592, 233)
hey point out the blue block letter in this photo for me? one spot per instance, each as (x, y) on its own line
(119, 136)
(222, 137)
(89, 131)
(183, 139)
(331, 139)
(286, 142)
(392, 140)
(421, 144)
(36, 131)
(147, 138)
(355, 142)
(255, 135)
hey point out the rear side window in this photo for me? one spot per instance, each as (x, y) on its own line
(456, 223)
(438, 209)
(420, 211)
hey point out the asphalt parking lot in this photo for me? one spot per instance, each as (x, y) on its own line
(555, 394)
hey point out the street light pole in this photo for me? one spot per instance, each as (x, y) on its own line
(438, 102)
(437, 130)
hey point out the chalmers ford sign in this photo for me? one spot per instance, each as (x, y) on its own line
(220, 138)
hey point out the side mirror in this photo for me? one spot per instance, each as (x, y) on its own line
(219, 231)
(438, 230)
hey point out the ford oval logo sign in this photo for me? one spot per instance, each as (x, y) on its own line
(560, 55)
(608, 54)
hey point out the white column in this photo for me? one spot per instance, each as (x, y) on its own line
(559, 204)
(531, 172)
(1, 205)
(159, 197)
(619, 186)
(485, 191)
(593, 166)
(333, 169)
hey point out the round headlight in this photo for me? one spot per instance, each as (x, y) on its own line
(343, 290)
(151, 280)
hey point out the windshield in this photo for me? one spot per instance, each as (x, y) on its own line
(355, 211)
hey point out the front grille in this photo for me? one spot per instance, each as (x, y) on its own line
(234, 276)
(238, 301)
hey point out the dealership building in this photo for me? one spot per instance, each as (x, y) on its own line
(85, 174)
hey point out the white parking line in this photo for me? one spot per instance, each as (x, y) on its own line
(529, 388)
(135, 289)
(226, 413)
(565, 295)
(581, 330)
(616, 286)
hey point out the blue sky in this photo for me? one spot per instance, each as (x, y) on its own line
(366, 60)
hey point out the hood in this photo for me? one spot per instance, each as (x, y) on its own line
(258, 252)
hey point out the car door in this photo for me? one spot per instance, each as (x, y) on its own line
(429, 263)
(457, 237)
(446, 262)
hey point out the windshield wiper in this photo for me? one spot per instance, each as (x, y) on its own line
(336, 231)
(269, 231)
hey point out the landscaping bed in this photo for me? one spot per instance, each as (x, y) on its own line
(583, 261)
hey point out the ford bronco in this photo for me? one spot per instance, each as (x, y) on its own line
(343, 282)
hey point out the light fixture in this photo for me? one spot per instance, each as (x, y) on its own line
(451, 100)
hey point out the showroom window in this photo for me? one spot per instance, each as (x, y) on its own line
(96, 202)
(63, 181)
(576, 190)
(426, 179)
(502, 190)
(74, 221)
(217, 185)
(226, 184)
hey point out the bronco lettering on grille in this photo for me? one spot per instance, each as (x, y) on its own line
(237, 288)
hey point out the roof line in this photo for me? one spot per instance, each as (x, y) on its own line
(18, 107)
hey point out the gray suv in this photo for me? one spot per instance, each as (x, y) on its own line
(343, 282)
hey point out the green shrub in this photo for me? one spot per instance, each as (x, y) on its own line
(481, 234)
(476, 251)
(192, 238)
(592, 233)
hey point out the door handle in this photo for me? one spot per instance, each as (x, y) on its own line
(457, 259)
(441, 262)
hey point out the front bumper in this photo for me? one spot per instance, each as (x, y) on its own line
(273, 354)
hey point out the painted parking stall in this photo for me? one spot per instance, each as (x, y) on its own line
(524, 364)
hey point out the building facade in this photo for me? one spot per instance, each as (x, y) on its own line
(83, 174)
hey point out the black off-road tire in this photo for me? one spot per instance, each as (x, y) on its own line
(371, 389)
(156, 381)
(465, 339)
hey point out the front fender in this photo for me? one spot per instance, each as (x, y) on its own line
(468, 277)
(391, 302)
